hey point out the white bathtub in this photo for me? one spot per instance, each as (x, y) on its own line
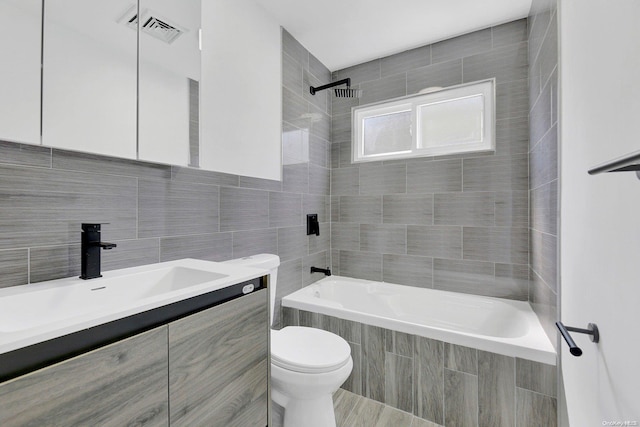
(497, 325)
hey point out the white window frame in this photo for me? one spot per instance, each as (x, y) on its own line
(484, 88)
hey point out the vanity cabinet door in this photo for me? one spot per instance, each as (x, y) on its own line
(122, 384)
(218, 365)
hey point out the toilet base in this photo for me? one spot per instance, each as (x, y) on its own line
(310, 413)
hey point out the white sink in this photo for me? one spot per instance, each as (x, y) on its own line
(34, 313)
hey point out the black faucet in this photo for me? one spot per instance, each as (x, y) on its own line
(91, 246)
(326, 271)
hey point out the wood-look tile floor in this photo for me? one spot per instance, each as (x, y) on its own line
(353, 410)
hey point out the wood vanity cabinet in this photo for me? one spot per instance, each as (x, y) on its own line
(218, 365)
(122, 384)
(206, 369)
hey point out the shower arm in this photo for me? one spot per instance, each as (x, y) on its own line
(346, 81)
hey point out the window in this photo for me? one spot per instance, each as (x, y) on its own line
(459, 119)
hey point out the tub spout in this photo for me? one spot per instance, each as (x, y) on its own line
(326, 271)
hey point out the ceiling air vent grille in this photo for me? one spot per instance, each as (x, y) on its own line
(156, 27)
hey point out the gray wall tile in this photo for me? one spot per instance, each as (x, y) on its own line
(538, 377)
(361, 265)
(382, 89)
(319, 123)
(544, 159)
(316, 204)
(399, 343)
(292, 243)
(429, 387)
(341, 128)
(319, 151)
(407, 209)
(535, 409)
(385, 238)
(434, 176)
(210, 247)
(398, 382)
(510, 33)
(361, 209)
(512, 281)
(407, 270)
(320, 99)
(25, 154)
(544, 253)
(289, 281)
(172, 208)
(292, 74)
(345, 181)
(462, 46)
(321, 242)
(198, 176)
(435, 241)
(496, 380)
(319, 180)
(505, 64)
(383, 179)
(293, 48)
(55, 203)
(85, 162)
(14, 265)
(295, 178)
(473, 208)
(405, 61)
(461, 395)
(360, 73)
(345, 236)
(253, 242)
(496, 244)
(443, 74)
(285, 209)
(512, 99)
(321, 260)
(243, 209)
(470, 277)
(544, 208)
(318, 69)
(260, 184)
(354, 382)
(131, 253)
(460, 358)
(294, 108)
(512, 209)
(373, 362)
(496, 173)
(54, 262)
(512, 136)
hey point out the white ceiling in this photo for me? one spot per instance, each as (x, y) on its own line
(341, 33)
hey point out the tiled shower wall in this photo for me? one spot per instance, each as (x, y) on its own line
(458, 223)
(543, 162)
(161, 213)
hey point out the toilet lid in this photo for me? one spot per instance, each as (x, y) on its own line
(308, 350)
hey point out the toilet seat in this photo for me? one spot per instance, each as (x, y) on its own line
(308, 350)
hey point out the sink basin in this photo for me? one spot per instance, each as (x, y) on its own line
(25, 311)
(33, 313)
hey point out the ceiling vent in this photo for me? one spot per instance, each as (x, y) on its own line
(152, 24)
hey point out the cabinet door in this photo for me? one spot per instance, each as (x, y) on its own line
(123, 384)
(218, 365)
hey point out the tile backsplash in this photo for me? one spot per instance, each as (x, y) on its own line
(457, 223)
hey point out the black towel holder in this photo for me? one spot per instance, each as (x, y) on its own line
(592, 329)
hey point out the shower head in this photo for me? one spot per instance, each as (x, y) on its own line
(347, 92)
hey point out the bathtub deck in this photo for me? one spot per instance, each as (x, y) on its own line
(353, 410)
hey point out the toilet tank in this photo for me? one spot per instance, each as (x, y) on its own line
(267, 262)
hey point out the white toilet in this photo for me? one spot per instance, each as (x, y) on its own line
(307, 365)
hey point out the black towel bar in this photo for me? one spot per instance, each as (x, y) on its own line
(592, 330)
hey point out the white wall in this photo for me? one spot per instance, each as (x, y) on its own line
(600, 215)
(20, 70)
(240, 91)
